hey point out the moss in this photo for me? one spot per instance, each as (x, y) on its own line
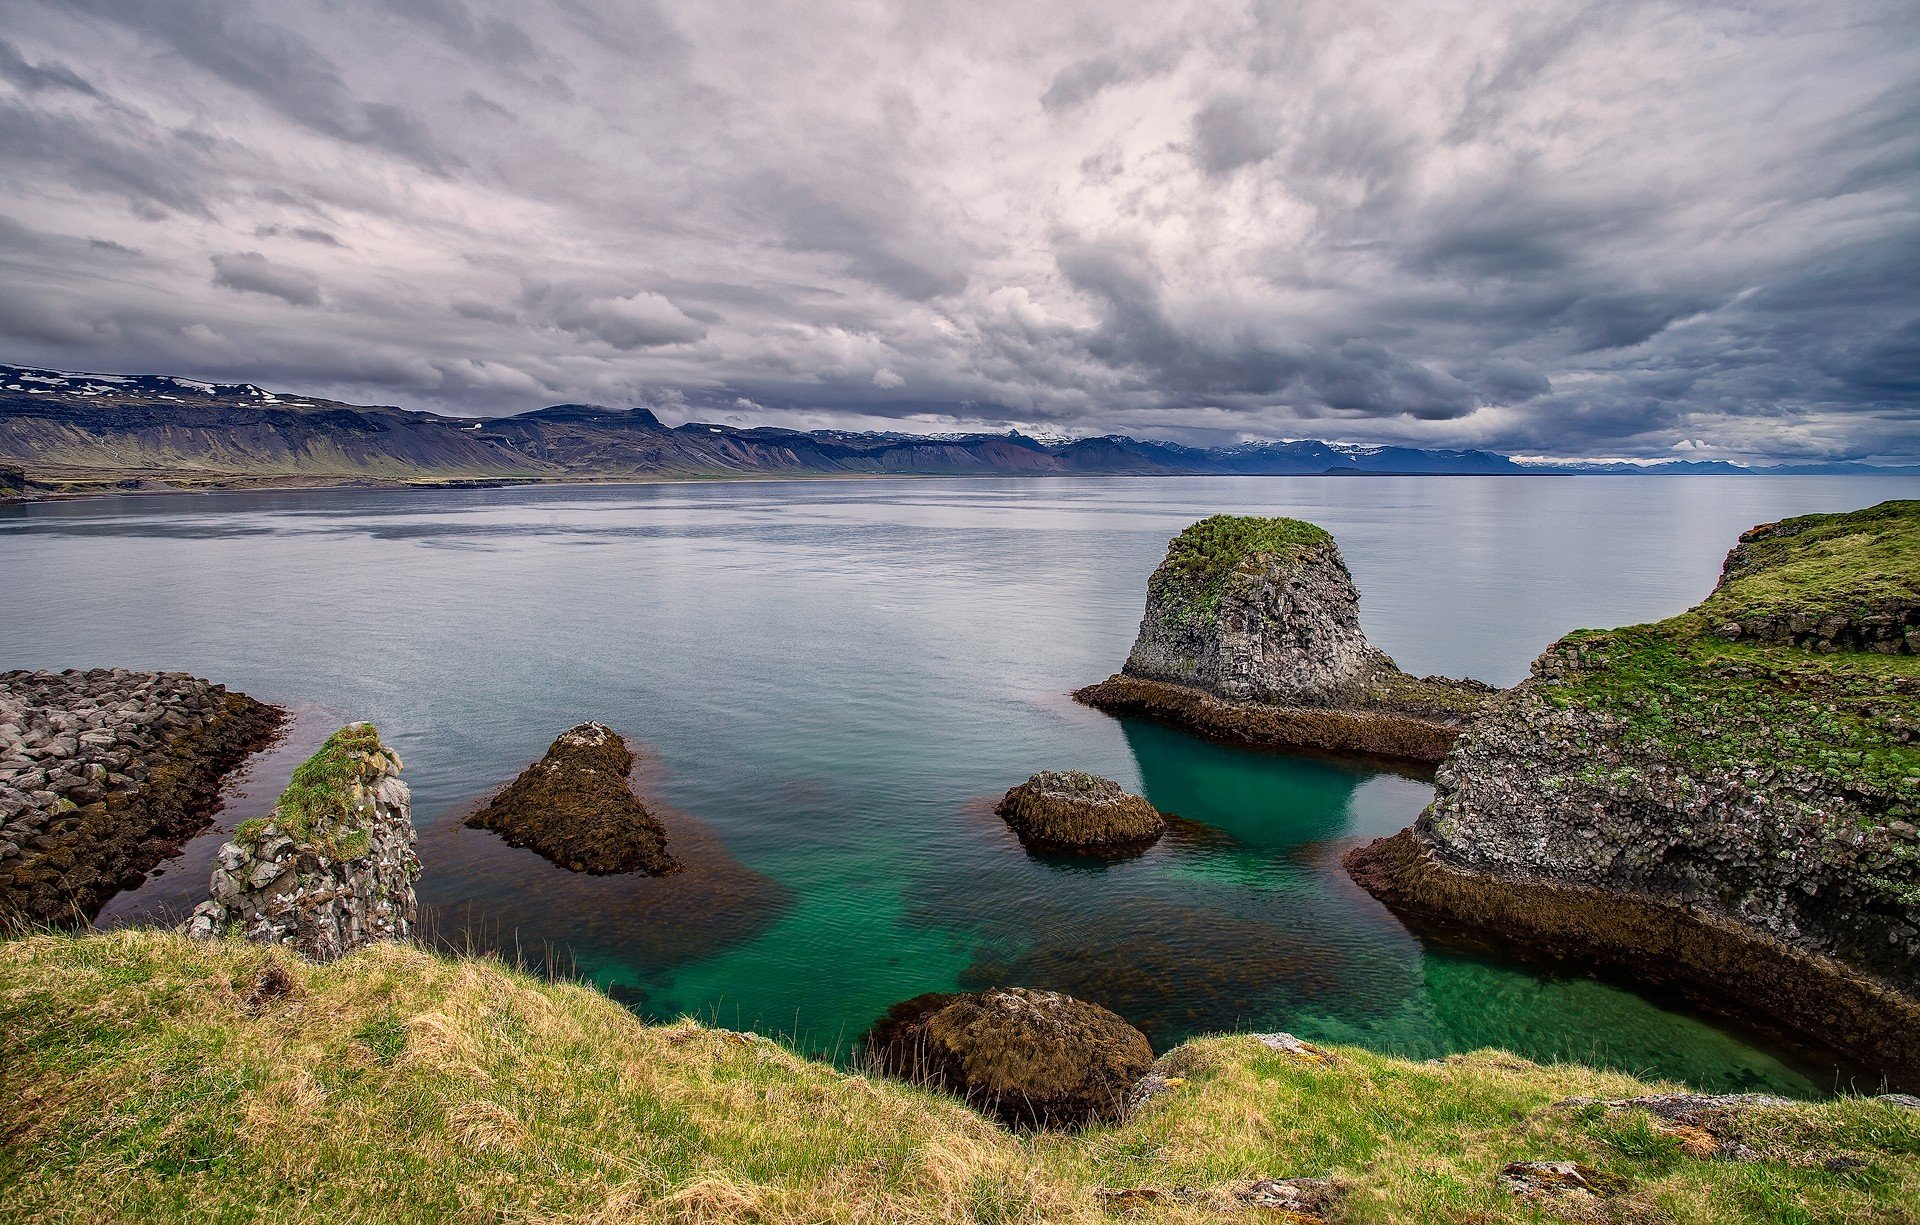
(1821, 565)
(323, 804)
(1201, 558)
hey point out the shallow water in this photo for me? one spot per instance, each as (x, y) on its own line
(830, 682)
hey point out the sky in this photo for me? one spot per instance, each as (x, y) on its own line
(1642, 229)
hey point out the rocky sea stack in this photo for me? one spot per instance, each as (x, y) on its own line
(575, 807)
(1252, 635)
(1027, 1058)
(1073, 810)
(332, 867)
(1724, 802)
(103, 774)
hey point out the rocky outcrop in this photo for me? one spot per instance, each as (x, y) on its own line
(13, 484)
(102, 774)
(1252, 635)
(1027, 1058)
(1694, 808)
(1075, 811)
(332, 868)
(576, 807)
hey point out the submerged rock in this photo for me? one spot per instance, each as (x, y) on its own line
(1028, 1058)
(332, 867)
(1697, 804)
(575, 807)
(1072, 810)
(1252, 634)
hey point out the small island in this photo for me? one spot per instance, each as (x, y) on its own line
(1252, 636)
(1072, 810)
(575, 807)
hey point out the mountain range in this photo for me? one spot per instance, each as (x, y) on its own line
(70, 432)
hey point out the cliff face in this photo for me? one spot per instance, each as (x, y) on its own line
(1252, 634)
(332, 868)
(1725, 801)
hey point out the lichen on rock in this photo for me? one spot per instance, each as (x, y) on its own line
(1727, 801)
(1027, 1058)
(1250, 616)
(1074, 810)
(575, 807)
(332, 868)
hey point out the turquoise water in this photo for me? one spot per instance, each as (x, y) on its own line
(832, 680)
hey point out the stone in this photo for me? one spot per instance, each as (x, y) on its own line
(575, 807)
(1072, 810)
(332, 868)
(1031, 1059)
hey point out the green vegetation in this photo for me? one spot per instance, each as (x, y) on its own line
(148, 1077)
(1824, 564)
(1200, 559)
(323, 804)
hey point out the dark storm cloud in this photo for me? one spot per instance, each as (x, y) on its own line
(1647, 228)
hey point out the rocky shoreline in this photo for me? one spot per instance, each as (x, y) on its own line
(103, 773)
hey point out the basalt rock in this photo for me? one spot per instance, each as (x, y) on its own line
(1695, 805)
(332, 867)
(575, 807)
(1027, 1058)
(1071, 810)
(103, 774)
(1252, 635)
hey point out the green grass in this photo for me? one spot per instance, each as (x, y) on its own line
(324, 802)
(1201, 558)
(1821, 564)
(143, 1080)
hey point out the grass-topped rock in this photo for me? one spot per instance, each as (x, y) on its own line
(576, 807)
(1027, 1058)
(1252, 634)
(1727, 801)
(332, 867)
(1073, 810)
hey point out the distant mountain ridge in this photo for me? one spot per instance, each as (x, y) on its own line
(76, 432)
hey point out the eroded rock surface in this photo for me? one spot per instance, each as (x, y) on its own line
(1028, 1058)
(332, 867)
(1699, 804)
(1252, 634)
(575, 807)
(1073, 810)
(104, 773)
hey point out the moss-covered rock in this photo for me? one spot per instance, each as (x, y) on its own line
(1073, 810)
(575, 807)
(1028, 1058)
(1728, 809)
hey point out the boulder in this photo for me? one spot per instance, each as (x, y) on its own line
(1072, 810)
(1252, 634)
(575, 807)
(1028, 1058)
(332, 868)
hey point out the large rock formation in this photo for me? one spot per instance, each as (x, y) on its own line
(332, 868)
(1028, 1058)
(1725, 802)
(575, 807)
(1252, 634)
(13, 484)
(103, 774)
(1072, 810)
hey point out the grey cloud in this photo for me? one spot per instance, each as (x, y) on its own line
(305, 233)
(252, 272)
(639, 320)
(14, 67)
(1229, 133)
(492, 39)
(1083, 80)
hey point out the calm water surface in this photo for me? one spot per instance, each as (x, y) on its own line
(831, 680)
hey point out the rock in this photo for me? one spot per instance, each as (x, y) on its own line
(103, 774)
(1296, 1199)
(1306, 1052)
(1733, 821)
(332, 867)
(13, 484)
(1027, 1058)
(1551, 1179)
(575, 807)
(1072, 810)
(1252, 635)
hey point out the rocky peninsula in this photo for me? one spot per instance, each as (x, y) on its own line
(331, 869)
(1724, 802)
(1252, 636)
(576, 807)
(103, 773)
(1072, 810)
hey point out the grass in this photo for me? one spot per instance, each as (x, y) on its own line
(143, 1078)
(325, 799)
(1820, 564)
(1201, 558)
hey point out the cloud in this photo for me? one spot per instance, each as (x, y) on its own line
(1538, 225)
(252, 272)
